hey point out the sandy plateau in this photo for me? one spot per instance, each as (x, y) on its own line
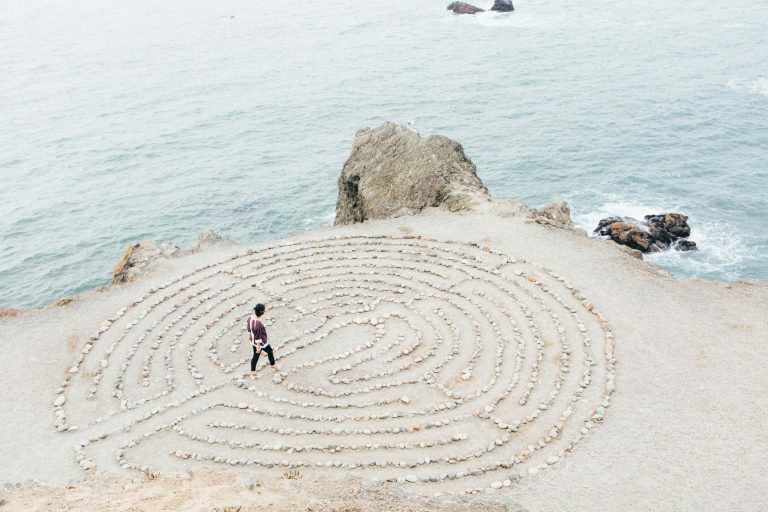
(426, 362)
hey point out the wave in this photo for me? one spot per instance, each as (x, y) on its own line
(588, 220)
(499, 19)
(325, 219)
(722, 255)
(724, 252)
(757, 86)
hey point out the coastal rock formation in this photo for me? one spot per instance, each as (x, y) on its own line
(393, 171)
(503, 6)
(557, 214)
(685, 245)
(656, 233)
(675, 224)
(210, 239)
(137, 258)
(463, 8)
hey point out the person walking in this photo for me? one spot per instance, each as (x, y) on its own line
(257, 334)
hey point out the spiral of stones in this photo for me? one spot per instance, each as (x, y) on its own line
(439, 365)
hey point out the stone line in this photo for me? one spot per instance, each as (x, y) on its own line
(440, 365)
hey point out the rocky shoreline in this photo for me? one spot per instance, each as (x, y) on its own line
(655, 233)
(392, 171)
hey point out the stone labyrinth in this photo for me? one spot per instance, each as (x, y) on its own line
(440, 366)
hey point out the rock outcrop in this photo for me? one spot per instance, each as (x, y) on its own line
(393, 171)
(557, 214)
(656, 233)
(210, 239)
(463, 8)
(503, 6)
(675, 224)
(138, 257)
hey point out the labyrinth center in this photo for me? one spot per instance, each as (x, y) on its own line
(441, 366)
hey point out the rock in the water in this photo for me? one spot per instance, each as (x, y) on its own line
(393, 171)
(633, 236)
(556, 214)
(503, 6)
(684, 245)
(656, 233)
(676, 224)
(138, 257)
(463, 8)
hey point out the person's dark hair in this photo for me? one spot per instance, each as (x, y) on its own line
(259, 309)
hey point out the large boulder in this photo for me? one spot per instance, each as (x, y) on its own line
(503, 6)
(463, 8)
(138, 257)
(655, 233)
(393, 171)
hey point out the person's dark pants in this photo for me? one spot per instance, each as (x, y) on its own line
(255, 358)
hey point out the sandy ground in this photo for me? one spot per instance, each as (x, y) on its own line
(685, 429)
(217, 492)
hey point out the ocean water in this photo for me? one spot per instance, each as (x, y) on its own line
(122, 121)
